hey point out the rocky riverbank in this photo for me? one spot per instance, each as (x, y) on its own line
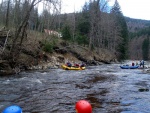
(40, 51)
(61, 54)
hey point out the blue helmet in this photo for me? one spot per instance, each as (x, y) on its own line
(12, 109)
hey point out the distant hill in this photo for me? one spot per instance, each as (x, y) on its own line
(135, 25)
(139, 36)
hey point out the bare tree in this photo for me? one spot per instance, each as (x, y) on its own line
(21, 31)
(96, 32)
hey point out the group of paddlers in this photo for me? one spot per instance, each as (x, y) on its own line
(75, 64)
(141, 64)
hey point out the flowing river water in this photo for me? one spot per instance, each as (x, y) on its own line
(107, 87)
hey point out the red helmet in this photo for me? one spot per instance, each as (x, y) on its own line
(83, 106)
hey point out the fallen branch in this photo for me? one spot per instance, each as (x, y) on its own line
(5, 41)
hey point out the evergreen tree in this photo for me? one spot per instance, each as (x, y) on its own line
(145, 49)
(66, 33)
(83, 24)
(120, 21)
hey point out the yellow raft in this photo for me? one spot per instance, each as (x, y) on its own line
(72, 68)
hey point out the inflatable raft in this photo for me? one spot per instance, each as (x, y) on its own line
(72, 68)
(129, 67)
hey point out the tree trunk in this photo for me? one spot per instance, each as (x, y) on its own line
(7, 14)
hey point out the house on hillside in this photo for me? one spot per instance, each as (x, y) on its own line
(52, 32)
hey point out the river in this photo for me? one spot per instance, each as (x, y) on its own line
(107, 87)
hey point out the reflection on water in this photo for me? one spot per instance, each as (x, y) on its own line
(108, 88)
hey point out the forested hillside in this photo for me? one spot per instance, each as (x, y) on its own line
(134, 25)
(139, 34)
(97, 27)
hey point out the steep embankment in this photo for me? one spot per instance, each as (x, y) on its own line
(64, 51)
(33, 55)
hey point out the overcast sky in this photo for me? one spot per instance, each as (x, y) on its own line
(139, 9)
(69, 6)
